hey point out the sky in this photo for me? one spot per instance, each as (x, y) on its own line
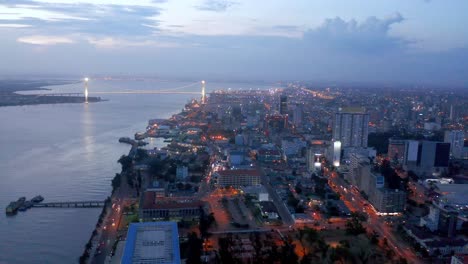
(410, 41)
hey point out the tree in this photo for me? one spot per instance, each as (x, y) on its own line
(298, 188)
(126, 162)
(156, 166)
(354, 226)
(374, 239)
(116, 181)
(288, 255)
(141, 154)
(195, 247)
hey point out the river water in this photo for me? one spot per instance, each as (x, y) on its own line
(68, 152)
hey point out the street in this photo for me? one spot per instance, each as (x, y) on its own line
(357, 203)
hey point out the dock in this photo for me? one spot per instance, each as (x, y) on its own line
(77, 204)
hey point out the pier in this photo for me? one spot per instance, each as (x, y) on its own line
(78, 204)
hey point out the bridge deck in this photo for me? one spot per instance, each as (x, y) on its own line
(77, 204)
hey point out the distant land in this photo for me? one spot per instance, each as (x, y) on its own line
(9, 97)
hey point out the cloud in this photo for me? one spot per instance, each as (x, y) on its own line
(45, 40)
(14, 25)
(118, 43)
(215, 5)
(87, 18)
(370, 36)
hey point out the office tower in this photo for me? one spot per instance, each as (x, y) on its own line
(297, 115)
(456, 139)
(351, 127)
(283, 105)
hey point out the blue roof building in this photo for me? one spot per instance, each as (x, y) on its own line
(152, 243)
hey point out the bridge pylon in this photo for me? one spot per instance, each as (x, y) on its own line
(203, 99)
(86, 89)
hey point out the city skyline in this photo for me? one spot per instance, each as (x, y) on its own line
(398, 41)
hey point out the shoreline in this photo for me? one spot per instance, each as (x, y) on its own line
(9, 95)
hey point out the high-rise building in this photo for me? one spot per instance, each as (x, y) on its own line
(336, 153)
(297, 115)
(384, 200)
(433, 155)
(351, 127)
(283, 105)
(397, 150)
(456, 138)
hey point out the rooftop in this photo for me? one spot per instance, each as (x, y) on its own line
(152, 242)
(454, 193)
(243, 172)
(353, 110)
(151, 202)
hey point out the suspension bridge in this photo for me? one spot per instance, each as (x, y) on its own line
(176, 90)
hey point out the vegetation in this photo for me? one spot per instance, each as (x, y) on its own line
(193, 249)
(141, 155)
(116, 181)
(354, 226)
(205, 223)
(126, 163)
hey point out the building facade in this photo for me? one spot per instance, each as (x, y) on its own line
(238, 178)
(456, 138)
(351, 127)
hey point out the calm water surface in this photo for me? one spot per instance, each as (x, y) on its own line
(69, 152)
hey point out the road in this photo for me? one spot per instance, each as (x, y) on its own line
(280, 206)
(357, 203)
(110, 231)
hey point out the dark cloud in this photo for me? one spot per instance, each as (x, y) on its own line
(215, 5)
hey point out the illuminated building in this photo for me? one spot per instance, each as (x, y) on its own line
(456, 138)
(336, 153)
(283, 105)
(238, 178)
(351, 127)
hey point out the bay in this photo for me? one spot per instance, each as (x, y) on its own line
(69, 152)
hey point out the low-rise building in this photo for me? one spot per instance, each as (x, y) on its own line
(238, 178)
(153, 207)
(258, 191)
(448, 212)
(269, 155)
(268, 210)
(181, 172)
(153, 242)
(459, 259)
(435, 245)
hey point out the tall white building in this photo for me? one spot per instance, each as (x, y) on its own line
(456, 139)
(351, 127)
